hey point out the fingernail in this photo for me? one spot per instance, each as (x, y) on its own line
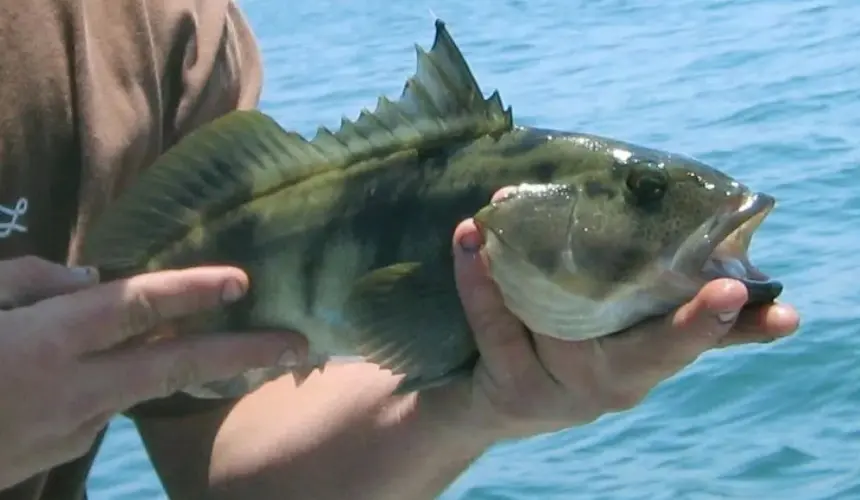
(470, 243)
(232, 291)
(503, 193)
(288, 359)
(727, 316)
(85, 274)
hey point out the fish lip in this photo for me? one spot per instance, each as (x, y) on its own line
(720, 248)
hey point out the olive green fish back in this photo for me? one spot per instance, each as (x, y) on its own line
(245, 155)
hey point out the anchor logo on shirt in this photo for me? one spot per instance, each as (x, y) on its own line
(9, 218)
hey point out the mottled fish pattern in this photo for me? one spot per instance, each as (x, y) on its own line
(346, 236)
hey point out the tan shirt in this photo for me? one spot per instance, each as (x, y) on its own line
(91, 91)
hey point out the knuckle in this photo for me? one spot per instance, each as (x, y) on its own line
(489, 321)
(28, 264)
(482, 321)
(141, 314)
(32, 269)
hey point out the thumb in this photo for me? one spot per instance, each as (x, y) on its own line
(29, 279)
(162, 368)
(503, 341)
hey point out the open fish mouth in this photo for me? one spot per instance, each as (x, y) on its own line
(719, 249)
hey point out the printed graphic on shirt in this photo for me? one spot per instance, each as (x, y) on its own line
(11, 217)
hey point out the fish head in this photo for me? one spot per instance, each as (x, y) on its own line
(635, 234)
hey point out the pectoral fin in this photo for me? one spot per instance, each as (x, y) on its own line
(408, 318)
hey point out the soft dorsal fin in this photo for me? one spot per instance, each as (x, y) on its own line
(245, 155)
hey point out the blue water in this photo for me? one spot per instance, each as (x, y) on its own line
(768, 90)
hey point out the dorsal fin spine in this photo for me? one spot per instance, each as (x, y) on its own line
(246, 155)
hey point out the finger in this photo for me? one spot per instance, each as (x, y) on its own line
(762, 325)
(657, 349)
(109, 314)
(160, 369)
(25, 280)
(503, 192)
(504, 343)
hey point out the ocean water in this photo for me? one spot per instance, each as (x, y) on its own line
(768, 90)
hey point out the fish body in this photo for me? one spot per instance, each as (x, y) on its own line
(346, 237)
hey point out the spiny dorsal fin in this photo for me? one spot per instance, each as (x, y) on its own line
(245, 155)
(442, 100)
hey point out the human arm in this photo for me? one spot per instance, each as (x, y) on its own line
(341, 433)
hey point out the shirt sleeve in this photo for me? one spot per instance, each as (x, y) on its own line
(212, 66)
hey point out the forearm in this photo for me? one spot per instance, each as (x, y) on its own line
(339, 435)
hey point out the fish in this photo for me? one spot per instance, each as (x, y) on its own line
(346, 237)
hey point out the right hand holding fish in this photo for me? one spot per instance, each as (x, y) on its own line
(63, 378)
(527, 383)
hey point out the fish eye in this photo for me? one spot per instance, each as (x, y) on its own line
(647, 183)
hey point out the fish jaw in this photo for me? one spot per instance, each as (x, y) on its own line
(720, 248)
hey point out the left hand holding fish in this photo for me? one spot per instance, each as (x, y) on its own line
(527, 383)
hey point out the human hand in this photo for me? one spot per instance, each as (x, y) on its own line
(526, 384)
(345, 420)
(63, 377)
